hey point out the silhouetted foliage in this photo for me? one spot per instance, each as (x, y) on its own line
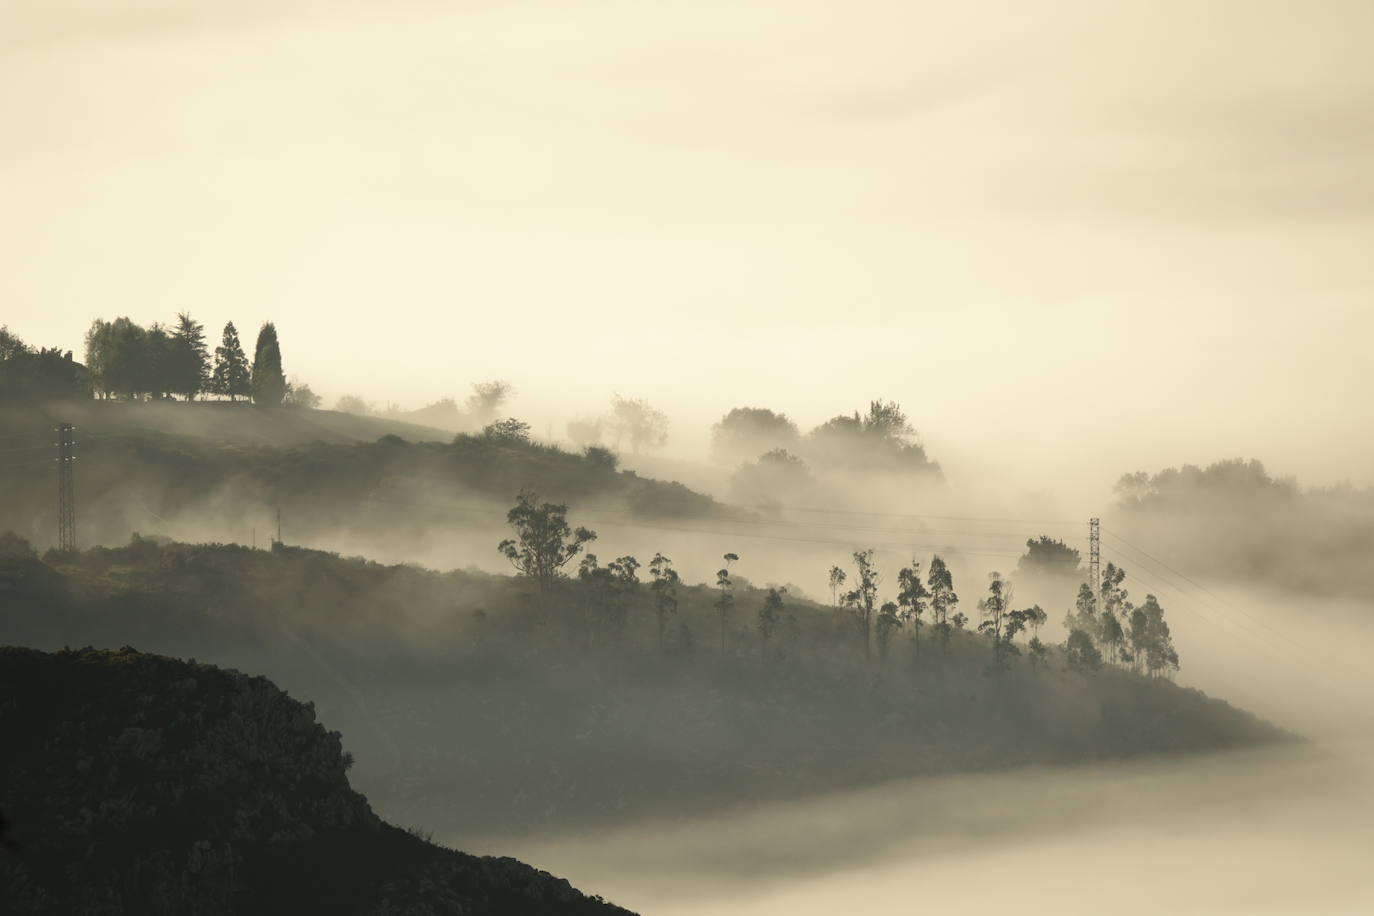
(747, 432)
(633, 420)
(544, 541)
(882, 439)
(664, 587)
(507, 430)
(268, 381)
(143, 784)
(231, 377)
(37, 376)
(487, 399)
(1048, 556)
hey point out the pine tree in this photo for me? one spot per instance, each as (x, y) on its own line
(230, 378)
(269, 382)
(191, 359)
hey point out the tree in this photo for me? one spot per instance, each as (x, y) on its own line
(1159, 653)
(118, 351)
(299, 394)
(1000, 623)
(230, 377)
(771, 614)
(912, 596)
(190, 359)
(943, 599)
(862, 599)
(601, 458)
(10, 344)
(268, 381)
(487, 399)
(544, 542)
(888, 623)
(747, 432)
(1115, 609)
(1084, 615)
(508, 430)
(354, 404)
(664, 589)
(1080, 652)
(1049, 557)
(157, 372)
(725, 602)
(882, 438)
(837, 577)
(97, 351)
(633, 419)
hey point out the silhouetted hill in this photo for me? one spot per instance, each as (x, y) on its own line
(141, 784)
(479, 706)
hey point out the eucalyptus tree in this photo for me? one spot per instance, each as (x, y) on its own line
(544, 541)
(912, 599)
(771, 615)
(725, 601)
(863, 598)
(664, 589)
(943, 599)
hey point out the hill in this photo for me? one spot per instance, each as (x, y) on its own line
(228, 472)
(479, 706)
(141, 784)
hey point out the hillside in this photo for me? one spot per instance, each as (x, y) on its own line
(480, 707)
(141, 784)
(226, 472)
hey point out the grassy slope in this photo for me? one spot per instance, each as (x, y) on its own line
(476, 707)
(141, 784)
(217, 471)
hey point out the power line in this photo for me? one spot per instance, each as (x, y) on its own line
(1315, 655)
(963, 518)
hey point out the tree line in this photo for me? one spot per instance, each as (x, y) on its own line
(126, 360)
(1104, 626)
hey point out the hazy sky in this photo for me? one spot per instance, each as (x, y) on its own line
(1078, 235)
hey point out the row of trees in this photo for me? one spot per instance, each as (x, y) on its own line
(1107, 625)
(1102, 627)
(126, 360)
(882, 438)
(630, 421)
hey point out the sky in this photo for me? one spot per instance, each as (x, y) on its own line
(1072, 239)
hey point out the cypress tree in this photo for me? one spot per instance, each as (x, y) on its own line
(269, 383)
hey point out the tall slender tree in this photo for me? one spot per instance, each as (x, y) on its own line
(664, 588)
(230, 376)
(725, 602)
(862, 600)
(912, 596)
(269, 382)
(770, 616)
(943, 599)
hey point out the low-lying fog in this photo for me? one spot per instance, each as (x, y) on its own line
(1276, 831)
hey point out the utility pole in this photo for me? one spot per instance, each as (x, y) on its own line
(279, 524)
(66, 490)
(1095, 559)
